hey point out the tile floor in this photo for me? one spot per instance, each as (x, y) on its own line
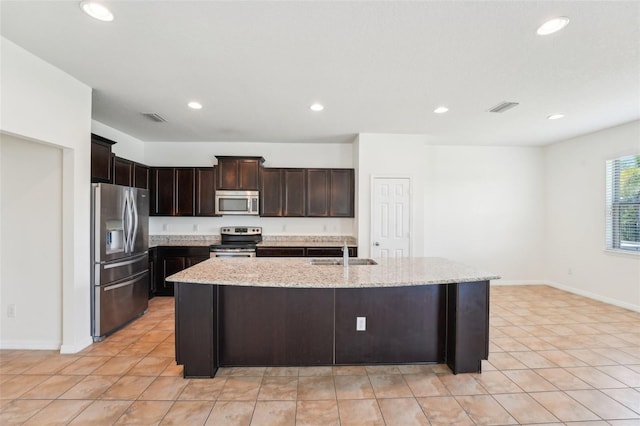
(555, 358)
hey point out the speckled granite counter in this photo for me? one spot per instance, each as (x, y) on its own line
(268, 241)
(299, 273)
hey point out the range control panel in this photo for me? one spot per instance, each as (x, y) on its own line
(239, 230)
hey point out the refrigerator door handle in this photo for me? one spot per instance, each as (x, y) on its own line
(125, 224)
(134, 210)
(124, 284)
(126, 262)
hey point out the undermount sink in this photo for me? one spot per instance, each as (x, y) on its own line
(335, 262)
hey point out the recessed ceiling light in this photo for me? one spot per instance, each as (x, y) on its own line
(441, 110)
(553, 25)
(96, 10)
(316, 107)
(194, 105)
(555, 117)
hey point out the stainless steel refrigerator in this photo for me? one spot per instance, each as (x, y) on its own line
(120, 263)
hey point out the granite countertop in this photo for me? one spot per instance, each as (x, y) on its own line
(299, 273)
(268, 241)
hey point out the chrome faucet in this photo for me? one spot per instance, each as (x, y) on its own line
(345, 254)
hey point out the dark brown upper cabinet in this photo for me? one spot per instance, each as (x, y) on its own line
(330, 192)
(205, 191)
(282, 192)
(182, 191)
(101, 167)
(140, 176)
(122, 171)
(239, 173)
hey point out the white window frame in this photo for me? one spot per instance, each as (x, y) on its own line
(613, 240)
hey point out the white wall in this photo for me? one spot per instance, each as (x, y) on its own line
(574, 253)
(40, 103)
(485, 206)
(126, 146)
(31, 192)
(390, 155)
(286, 154)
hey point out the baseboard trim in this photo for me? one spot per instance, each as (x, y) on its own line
(594, 296)
(75, 348)
(29, 345)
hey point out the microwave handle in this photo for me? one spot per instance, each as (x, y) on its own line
(253, 206)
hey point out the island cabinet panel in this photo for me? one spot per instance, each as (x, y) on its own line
(196, 328)
(403, 324)
(275, 326)
(467, 326)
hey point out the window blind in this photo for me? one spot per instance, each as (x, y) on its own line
(623, 203)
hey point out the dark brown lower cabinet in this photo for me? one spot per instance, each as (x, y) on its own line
(223, 326)
(304, 252)
(403, 324)
(170, 260)
(275, 326)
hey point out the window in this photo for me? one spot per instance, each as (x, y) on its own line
(623, 203)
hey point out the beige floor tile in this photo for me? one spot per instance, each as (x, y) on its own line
(52, 365)
(623, 374)
(353, 387)
(85, 365)
(274, 413)
(402, 412)
(359, 412)
(509, 344)
(483, 409)
(525, 409)
(384, 370)
(416, 369)
(150, 366)
(629, 397)
(315, 371)
(241, 371)
(591, 357)
(462, 384)
(101, 413)
(90, 387)
(349, 370)
(425, 385)
(58, 412)
(536, 344)
(191, 413)
(529, 381)
(618, 355)
(311, 413)
(278, 388)
(564, 407)
(390, 386)
(562, 379)
(602, 405)
(52, 388)
(240, 389)
(144, 412)
(127, 387)
(231, 413)
(203, 389)
(281, 371)
(504, 361)
(497, 382)
(19, 411)
(164, 389)
(105, 348)
(532, 359)
(139, 348)
(173, 370)
(316, 388)
(116, 366)
(444, 410)
(596, 378)
(562, 359)
(18, 385)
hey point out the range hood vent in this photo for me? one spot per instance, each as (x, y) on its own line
(154, 117)
(504, 106)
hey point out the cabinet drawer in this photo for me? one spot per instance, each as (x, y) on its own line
(330, 252)
(280, 252)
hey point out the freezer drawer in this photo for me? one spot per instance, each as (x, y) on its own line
(117, 270)
(118, 303)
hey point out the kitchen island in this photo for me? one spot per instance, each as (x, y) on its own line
(290, 312)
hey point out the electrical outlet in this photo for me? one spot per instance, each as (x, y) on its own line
(570, 271)
(196, 227)
(361, 323)
(11, 310)
(165, 227)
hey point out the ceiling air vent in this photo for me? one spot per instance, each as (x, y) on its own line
(504, 106)
(154, 117)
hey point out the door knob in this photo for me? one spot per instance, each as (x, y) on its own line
(376, 244)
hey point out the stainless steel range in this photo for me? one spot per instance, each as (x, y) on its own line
(237, 241)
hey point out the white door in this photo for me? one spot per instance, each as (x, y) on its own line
(391, 217)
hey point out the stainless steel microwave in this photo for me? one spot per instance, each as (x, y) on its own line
(237, 202)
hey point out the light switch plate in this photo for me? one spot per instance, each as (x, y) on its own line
(361, 323)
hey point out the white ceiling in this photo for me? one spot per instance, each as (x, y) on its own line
(378, 67)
